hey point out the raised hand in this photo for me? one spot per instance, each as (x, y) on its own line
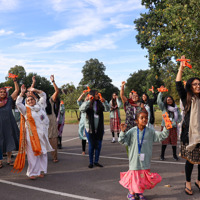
(52, 78)
(123, 83)
(123, 127)
(33, 79)
(23, 89)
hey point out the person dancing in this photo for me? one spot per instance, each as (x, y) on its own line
(33, 134)
(190, 135)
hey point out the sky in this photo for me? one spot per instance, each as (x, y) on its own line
(57, 37)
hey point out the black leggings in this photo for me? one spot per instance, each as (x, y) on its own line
(83, 145)
(188, 171)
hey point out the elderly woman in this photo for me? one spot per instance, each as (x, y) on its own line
(33, 134)
(9, 132)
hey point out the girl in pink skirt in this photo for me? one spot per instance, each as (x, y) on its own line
(139, 140)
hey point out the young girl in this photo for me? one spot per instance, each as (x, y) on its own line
(169, 106)
(139, 140)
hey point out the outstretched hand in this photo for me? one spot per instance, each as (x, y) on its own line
(33, 79)
(123, 127)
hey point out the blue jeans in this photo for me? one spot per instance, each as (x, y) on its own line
(91, 149)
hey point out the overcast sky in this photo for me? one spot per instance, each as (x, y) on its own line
(57, 37)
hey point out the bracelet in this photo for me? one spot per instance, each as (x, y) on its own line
(14, 80)
(53, 81)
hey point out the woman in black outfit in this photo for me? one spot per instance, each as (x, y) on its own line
(148, 104)
(190, 135)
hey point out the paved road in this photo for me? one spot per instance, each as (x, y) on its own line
(71, 179)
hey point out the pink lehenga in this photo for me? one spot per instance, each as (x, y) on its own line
(136, 181)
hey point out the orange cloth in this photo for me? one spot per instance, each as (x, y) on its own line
(34, 138)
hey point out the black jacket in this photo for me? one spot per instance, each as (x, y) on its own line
(185, 126)
(150, 103)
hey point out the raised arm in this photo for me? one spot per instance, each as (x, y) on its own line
(159, 101)
(33, 82)
(124, 99)
(55, 94)
(16, 91)
(21, 107)
(180, 71)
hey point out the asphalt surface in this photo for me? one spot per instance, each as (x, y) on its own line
(71, 178)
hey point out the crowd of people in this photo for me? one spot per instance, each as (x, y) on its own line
(42, 120)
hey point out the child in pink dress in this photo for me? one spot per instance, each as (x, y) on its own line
(139, 140)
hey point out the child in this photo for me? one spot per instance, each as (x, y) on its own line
(139, 140)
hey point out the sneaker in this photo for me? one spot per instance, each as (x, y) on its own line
(90, 166)
(113, 140)
(162, 158)
(130, 196)
(98, 165)
(175, 158)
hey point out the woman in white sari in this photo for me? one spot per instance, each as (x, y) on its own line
(33, 134)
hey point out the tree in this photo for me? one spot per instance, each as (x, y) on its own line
(41, 82)
(170, 29)
(94, 76)
(142, 81)
(168, 75)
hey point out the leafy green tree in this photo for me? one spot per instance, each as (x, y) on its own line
(41, 83)
(142, 80)
(170, 29)
(94, 76)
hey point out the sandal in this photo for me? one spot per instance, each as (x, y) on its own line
(32, 177)
(140, 196)
(131, 196)
(188, 191)
(55, 160)
(197, 186)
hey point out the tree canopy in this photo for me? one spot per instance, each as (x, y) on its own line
(41, 82)
(170, 29)
(94, 76)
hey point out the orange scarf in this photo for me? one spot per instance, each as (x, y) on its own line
(35, 141)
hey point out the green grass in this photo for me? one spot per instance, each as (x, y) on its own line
(71, 118)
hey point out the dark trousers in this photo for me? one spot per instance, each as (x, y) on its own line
(92, 149)
(83, 145)
(188, 171)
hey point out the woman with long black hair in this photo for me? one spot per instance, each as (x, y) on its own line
(94, 125)
(148, 104)
(190, 135)
(169, 106)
